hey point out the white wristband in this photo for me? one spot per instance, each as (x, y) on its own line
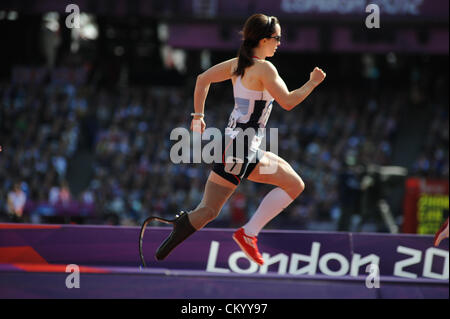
(198, 114)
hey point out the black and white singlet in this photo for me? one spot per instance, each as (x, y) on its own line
(244, 133)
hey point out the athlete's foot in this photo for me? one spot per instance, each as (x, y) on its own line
(182, 229)
(248, 244)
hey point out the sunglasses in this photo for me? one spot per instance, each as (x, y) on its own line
(276, 37)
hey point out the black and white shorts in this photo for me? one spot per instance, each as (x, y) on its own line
(240, 153)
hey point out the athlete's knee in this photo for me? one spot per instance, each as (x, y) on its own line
(212, 213)
(300, 186)
(207, 212)
(295, 187)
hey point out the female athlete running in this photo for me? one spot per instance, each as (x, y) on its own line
(256, 84)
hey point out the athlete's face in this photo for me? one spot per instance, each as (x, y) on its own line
(273, 43)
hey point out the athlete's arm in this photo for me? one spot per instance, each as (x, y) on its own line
(275, 85)
(218, 73)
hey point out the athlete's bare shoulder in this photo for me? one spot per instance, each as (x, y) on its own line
(267, 66)
(233, 63)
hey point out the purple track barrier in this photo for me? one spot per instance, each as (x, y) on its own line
(209, 264)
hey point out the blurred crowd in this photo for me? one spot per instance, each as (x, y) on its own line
(45, 126)
(433, 161)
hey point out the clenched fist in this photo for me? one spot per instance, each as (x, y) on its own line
(317, 76)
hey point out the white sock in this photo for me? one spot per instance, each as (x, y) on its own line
(272, 204)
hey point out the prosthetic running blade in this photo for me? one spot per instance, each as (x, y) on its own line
(141, 234)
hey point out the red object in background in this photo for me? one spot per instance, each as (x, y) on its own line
(412, 194)
(237, 206)
(415, 188)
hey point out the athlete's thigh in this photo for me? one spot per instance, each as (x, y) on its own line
(217, 179)
(273, 170)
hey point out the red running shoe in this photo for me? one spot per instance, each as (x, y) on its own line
(441, 233)
(248, 246)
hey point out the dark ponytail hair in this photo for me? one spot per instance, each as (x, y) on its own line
(257, 27)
